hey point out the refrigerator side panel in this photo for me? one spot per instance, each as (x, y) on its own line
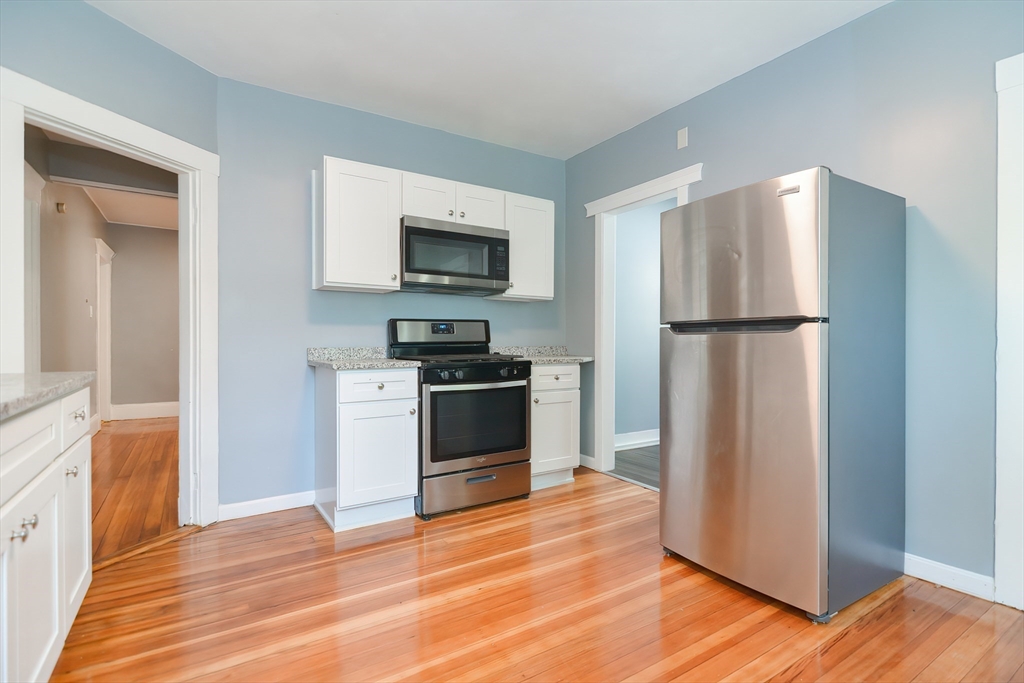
(750, 253)
(741, 462)
(867, 378)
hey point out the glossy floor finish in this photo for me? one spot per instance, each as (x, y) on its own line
(134, 483)
(570, 585)
(641, 465)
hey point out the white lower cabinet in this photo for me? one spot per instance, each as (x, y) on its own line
(45, 536)
(367, 445)
(555, 432)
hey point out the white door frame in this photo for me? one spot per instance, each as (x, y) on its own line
(1008, 579)
(104, 363)
(604, 211)
(24, 100)
(34, 185)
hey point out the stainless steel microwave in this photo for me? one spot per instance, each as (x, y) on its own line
(453, 258)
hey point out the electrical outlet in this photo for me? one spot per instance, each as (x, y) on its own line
(681, 137)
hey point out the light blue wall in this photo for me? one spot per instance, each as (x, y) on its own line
(269, 142)
(903, 99)
(78, 49)
(637, 315)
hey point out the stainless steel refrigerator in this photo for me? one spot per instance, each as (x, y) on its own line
(782, 387)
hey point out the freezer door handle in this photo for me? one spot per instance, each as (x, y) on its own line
(743, 326)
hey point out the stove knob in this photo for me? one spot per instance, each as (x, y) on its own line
(503, 372)
(459, 374)
(445, 375)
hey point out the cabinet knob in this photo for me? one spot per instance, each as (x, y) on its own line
(556, 378)
(381, 386)
(23, 534)
(80, 415)
(462, 214)
(511, 285)
(32, 522)
(72, 472)
(394, 276)
(412, 411)
(536, 400)
(450, 212)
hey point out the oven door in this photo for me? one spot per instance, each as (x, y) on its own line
(466, 426)
(437, 255)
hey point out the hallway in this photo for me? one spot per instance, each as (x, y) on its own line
(134, 483)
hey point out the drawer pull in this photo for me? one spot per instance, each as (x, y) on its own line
(79, 415)
(32, 522)
(482, 479)
(23, 535)
(381, 386)
(556, 378)
(536, 400)
(72, 472)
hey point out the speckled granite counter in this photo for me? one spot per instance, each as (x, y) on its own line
(542, 355)
(20, 392)
(355, 358)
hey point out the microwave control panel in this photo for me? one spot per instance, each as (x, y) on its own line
(500, 263)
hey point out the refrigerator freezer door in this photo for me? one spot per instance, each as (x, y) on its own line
(743, 480)
(748, 253)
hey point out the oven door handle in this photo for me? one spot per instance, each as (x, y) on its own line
(472, 387)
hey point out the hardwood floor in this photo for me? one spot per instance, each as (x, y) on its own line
(570, 585)
(134, 483)
(642, 465)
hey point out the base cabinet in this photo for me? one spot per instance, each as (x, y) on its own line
(555, 430)
(76, 471)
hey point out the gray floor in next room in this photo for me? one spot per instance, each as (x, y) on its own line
(639, 465)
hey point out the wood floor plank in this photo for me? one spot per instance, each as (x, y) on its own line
(570, 585)
(1001, 661)
(957, 660)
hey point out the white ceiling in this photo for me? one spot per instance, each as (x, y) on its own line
(553, 78)
(135, 208)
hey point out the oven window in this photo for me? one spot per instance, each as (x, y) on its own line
(432, 253)
(478, 422)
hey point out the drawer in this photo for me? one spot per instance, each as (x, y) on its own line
(545, 377)
(74, 414)
(377, 385)
(28, 443)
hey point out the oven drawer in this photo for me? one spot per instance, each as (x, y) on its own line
(544, 377)
(377, 385)
(463, 489)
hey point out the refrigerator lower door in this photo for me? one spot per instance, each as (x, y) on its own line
(743, 464)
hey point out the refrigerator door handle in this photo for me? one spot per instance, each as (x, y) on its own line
(743, 326)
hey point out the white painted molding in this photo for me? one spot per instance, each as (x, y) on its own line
(12, 231)
(1010, 72)
(110, 186)
(978, 585)
(649, 437)
(95, 425)
(143, 411)
(262, 506)
(646, 193)
(34, 184)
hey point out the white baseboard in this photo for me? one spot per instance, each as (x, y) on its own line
(650, 437)
(94, 425)
(549, 479)
(248, 508)
(978, 585)
(141, 411)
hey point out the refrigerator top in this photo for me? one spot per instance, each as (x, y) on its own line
(753, 253)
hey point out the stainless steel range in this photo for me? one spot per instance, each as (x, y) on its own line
(474, 414)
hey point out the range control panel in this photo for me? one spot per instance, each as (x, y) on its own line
(442, 328)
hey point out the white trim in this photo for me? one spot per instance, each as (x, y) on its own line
(262, 506)
(141, 225)
(1008, 569)
(95, 424)
(104, 267)
(34, 184)
(946, 575)
(24, 100)
(627, 440)
(546, 480)
(604, 211)
(111, 186)
(651, 192)
(143, 411)
(1010, 72)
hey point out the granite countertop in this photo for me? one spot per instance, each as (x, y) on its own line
(542, 355)
(355, 358)
(21, 392)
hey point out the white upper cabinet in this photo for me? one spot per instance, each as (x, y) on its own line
(356, 231)
(480, 206)
(531, 225)
(428, 197)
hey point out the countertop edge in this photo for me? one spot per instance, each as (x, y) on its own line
(22, 404)
(345, 364)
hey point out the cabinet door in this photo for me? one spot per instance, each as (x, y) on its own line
(428, 197)
(361, 225)
(479, 206)
(531, 225)
(378, 446)
(75, 467)
(32, 597)
(555, 431)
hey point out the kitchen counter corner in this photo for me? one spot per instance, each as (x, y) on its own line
(21, 392)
